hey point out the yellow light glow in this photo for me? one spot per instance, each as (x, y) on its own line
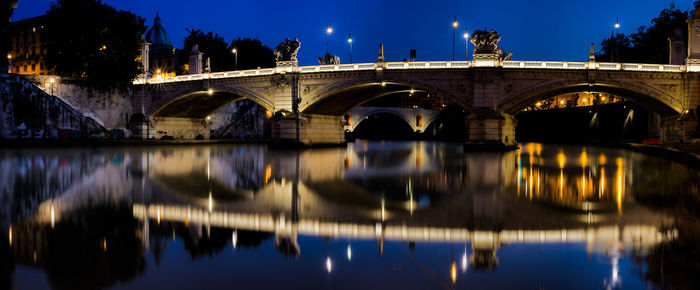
(349, 40)
(329, 264)
(329, 30)
(104, 244)
(268, 173)
(411, 91)
(349, 253)
(9, 233)
(53, 216)
(602, 98)
(210, 91)
(157, 71)
(268, 114)
(208, 118)
(52, 80)
(466, 35)
(234, 50)
(383, 84)
(561, 102)
(453, 272)
(562, 159)
(538, 104)
(455, 24)
(585, 100)
(617, 25)
(158, 216)
(9, 56)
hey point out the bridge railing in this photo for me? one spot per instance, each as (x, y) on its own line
(512, 64)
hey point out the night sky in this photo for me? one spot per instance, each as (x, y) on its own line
(532, 30)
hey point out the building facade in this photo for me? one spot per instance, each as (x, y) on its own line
(29, 46)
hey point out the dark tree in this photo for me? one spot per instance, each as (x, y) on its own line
(87, 38)
(253, 54)
(648, 44)
(213, 46)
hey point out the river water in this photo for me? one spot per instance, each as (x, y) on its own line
(391, 215)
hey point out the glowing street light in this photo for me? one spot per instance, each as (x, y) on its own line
(9, 60)
(52, 80)
(350, 42)
(235, 53)
(466, 41)
(210, 92)
(454, 31)
(329, 30)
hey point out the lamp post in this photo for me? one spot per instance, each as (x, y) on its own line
(617, 33)
(329, 30)
(466, 40)
(350, 42)
(454, 31)
(52, 80)
(235, 60)
(9, 60)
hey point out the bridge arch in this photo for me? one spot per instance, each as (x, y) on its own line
(659, 101)
(198, 103)
(410, 116)
(345, 96)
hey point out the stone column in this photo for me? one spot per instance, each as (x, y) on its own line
(195, 63)
(489, 129)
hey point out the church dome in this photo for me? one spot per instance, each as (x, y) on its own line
(156, 35)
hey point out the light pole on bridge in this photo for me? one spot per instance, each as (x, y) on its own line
(329, 30)
(235, 60)
(466, 40)
(617, 35)
(350, 42)
(454, 31)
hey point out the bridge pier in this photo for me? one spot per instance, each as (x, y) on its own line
(309, 129)
(180, 128)
(681, 128)
(488, 128)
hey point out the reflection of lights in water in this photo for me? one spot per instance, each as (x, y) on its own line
(349, 253)
(9, 233)
(602, 182)
(234, 239)
(464, 262)
(329, 264)
(383, 210)
(211, 202)
(104, 244)
(519, 171)
(53, 216)
(410, 195)
(620, 176)
(562, 159)
(158, 215)
(453, 272)
(268, 173)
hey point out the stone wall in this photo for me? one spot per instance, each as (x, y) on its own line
(111, 108)
(25, 108)
(180, 128)
(313, 130)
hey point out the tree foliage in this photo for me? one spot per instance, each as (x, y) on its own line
(648, 44)
(87, 38)
(213, 46)
(251, 52)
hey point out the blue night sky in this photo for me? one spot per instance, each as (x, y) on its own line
(532, 30)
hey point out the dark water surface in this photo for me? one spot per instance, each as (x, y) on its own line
(373, 215)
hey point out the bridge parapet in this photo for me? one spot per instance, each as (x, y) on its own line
(608, 66)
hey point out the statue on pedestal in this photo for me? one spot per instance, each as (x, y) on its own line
(286, 52)
(329, 59)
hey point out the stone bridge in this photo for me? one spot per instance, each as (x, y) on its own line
(493, 93)
(418, 119)
(309, 102)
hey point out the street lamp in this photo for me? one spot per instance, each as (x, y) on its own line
(329, 30)
(52, 80)
(466, 41)
(9, 59)
(617, 33)
(454, 30)
(350, 42)
(235, 63)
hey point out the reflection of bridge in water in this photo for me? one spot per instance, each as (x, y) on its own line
(435, 193)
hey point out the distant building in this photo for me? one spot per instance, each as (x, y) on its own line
(28, 48)
(163, 57)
